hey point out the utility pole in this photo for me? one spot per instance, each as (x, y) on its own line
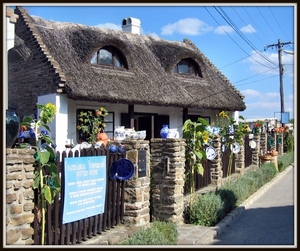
(281, 70)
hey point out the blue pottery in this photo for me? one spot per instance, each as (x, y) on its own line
(112, 148)
(121, 149)
(164, 131)
(12, 127)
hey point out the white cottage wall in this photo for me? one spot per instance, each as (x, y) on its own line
(63, 128)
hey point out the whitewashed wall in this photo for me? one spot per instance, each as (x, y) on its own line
(63, 128)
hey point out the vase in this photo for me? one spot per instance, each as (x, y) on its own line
(12, 127)
(173, 134)
(119, 133)
(164, 131)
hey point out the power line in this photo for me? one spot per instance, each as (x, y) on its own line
(235, 41)
(231, 23)
(279, 46)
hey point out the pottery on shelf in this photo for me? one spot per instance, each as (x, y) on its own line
(173, 134)
(12, 127)
(164, 131)
(119, 133)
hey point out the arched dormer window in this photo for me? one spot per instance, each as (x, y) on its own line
(108, 55)
(187, 67)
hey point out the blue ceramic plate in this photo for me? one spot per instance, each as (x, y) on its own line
(113, 173)
(211, 153)
(125, 169)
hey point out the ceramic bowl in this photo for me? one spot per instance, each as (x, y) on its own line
(141, 134)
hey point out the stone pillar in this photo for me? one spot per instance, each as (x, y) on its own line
(256, 152)
(240, 159)
(168, 168)
(19, 196)
(264, 142)
(280, 142)
(217, 170)
(137, 189)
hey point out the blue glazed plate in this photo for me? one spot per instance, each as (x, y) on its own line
(211, 153)
(125, 169)
(113, 173)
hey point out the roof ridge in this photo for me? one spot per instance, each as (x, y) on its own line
(42, 46)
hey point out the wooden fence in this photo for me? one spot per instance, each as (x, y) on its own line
(72, 233)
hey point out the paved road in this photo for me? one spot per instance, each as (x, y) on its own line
(268, 221)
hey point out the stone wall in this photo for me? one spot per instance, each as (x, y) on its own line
(19, 196)
(168, 168)
(137, 188)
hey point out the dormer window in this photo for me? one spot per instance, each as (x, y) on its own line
(108, 55)
(186, 67)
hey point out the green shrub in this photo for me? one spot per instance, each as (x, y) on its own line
(229, 199)
(206, 210)
(159, 233)
(288, 141)
(285, 160)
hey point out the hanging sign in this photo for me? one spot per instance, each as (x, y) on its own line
(85, 187)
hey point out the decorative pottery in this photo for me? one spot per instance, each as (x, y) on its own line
(119, 133)
(164, 131)
(121, 149)
(112, 148)
(102, 136)
(173, 133)
(230, 129)
(141, 134)
(12, 127)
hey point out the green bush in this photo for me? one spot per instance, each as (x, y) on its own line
(229, 199)
(288, 141)
(159, 233)
(285, 160)
(206, 210)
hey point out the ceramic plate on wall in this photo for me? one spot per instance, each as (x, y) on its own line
(235, 147)
(125, 169)
(211, 153)
(252, 144)
(251, 136)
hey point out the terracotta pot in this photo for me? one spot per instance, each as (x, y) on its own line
(274, 153)
(102, 136)
(266, 157)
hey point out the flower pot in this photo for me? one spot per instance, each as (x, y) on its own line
(12, 127)
(102, 136)
(164, 131)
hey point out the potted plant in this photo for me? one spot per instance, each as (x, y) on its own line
(91, 125)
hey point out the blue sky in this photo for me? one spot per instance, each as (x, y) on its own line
(237, 39)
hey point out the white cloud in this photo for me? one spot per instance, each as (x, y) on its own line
(188, 26)
(267, 62)
(109, 26)
(248, 29)
(249, 93)
(224, 29)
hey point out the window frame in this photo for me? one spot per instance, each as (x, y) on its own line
(192, 68)
(117, 59)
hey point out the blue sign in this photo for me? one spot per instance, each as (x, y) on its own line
(285, 117)
(85, 187)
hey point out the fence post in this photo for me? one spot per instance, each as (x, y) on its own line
(168, 168)
(19, 196)
(137, 188)
(217, 165)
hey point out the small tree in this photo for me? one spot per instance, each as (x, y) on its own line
(46, 178)
(196, 136)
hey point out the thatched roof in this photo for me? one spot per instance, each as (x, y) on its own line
(149, 79)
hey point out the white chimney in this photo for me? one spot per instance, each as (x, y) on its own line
(131, 25)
